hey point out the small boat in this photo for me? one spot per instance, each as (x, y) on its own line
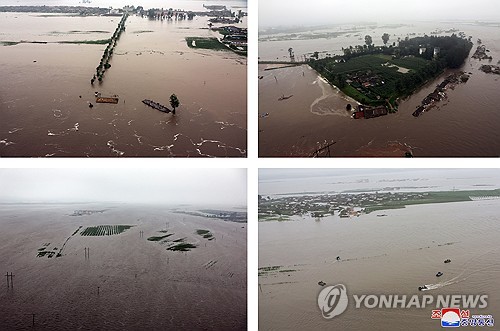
(439, 274)
(321, 283)
(284, 97)
(424, 287)
(156, 105)
(447, 261)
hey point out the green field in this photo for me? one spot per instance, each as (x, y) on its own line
(376, 65)
(413, 63)
(432, 197)
(104, 230)
(205, 43)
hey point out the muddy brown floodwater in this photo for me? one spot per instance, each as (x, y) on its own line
(141, 284)
(466, 124)
(45, 90)
(393, 254)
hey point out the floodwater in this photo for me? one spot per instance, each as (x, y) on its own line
(379, 255)
(45, 90)
(466, 124)
(141, 284)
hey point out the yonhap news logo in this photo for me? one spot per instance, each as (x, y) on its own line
(332, 300)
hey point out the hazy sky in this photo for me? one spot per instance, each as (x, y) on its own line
(317, 12)
(166, 186)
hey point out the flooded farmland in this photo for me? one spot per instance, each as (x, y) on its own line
(116, 270)
(391, 251)
(45, 91)
(465, 124)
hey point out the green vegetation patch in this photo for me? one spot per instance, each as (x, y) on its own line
(271, 268)
(413, 63)
(205, 234)
(159, 238)
(9, 43)
(90, 42)
(76, 231)
(104, 230)
(205, 43)
(48, 254)
(433, 197)
(271, 218)
(263, 271)
(183, 247)
(77, 32)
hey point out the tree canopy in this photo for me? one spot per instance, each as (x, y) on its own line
(385, 38)
(368, 40)
(174, 102)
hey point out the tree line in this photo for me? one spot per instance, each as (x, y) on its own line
(108, 52)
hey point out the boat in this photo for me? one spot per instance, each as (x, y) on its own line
(447, 261)
(423, 287)
(156, 105)
(113, 99)
(284, 97)
(321, 283)
(439, 274)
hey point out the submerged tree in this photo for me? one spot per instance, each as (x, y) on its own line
(174, 102)
(385, 38)
(368, 40)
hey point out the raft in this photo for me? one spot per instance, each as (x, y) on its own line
(113, 99)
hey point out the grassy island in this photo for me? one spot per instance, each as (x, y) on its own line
(379, 76)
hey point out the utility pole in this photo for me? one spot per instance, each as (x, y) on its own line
(10, 280)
